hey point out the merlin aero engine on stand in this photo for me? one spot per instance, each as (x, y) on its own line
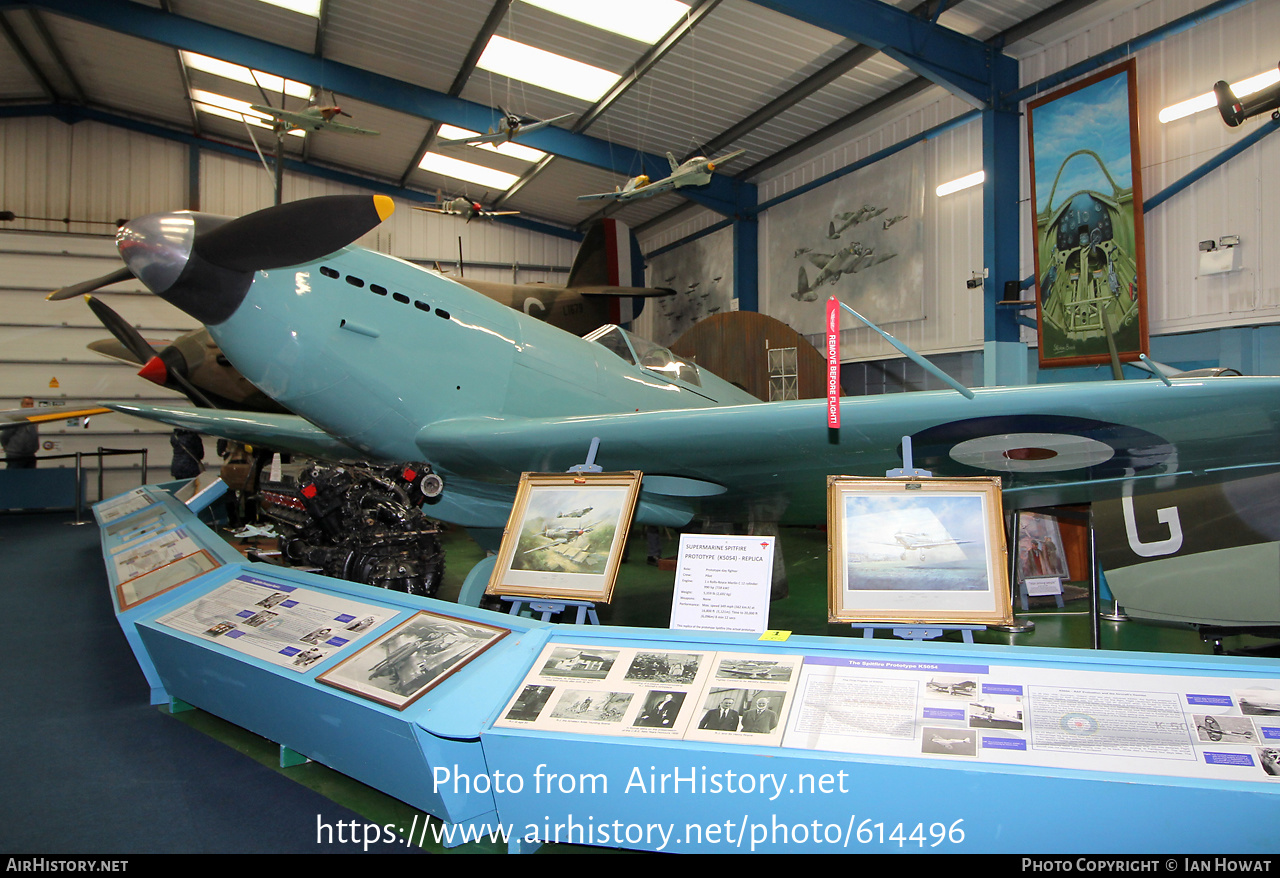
(361, 523)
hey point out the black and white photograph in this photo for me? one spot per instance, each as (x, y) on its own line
(592, 705)
(529, 703)
(950, 686)
(663, 667)
(1001, 712)
(776, 671)
(1225, 729)
(405, 663)
(660, 710)
(949, 742)
(582, 664)
(1259, 702)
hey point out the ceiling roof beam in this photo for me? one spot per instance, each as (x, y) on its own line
(959, 63)
(830, 73)
(149, 23)
(655, 54)
(496, 13)
(28, 62)
(58, 57)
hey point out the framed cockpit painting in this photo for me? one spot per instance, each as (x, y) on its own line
(917, 551)
(566, 535)
(1086, 186)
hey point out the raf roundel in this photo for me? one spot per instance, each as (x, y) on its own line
(1038, 444)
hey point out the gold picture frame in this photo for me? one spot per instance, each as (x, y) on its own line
(917, 551)
(410, 660)
(565, 537)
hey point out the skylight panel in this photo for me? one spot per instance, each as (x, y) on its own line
(511, 150)
(545, 69)
(645, 20)
(230, 108)
(466, 171)
(306, 7)
(270, 83)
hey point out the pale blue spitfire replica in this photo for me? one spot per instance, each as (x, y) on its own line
(379, 358)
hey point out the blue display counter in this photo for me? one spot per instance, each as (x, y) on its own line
(610, 736)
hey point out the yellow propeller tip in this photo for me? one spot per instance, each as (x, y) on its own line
(384, 206)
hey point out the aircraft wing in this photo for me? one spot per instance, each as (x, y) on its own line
(601, 196)
(44, 415)
(1065, 443)
(497, 137)
(285, 432)
(344, 128)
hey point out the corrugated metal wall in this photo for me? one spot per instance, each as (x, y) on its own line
(1241, 198)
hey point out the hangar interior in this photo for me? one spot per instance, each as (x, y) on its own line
(100, 123)
(109, 110)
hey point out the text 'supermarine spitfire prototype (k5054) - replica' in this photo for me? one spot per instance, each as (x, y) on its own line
(381, 359)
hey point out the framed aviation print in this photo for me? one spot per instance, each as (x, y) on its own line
(566, 535)
(917, 551)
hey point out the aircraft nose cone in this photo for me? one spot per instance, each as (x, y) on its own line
(156, 248)
(163, 251)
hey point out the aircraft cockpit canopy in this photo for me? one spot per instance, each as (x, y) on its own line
(645, 353)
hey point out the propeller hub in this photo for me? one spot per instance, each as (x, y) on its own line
(156, 248)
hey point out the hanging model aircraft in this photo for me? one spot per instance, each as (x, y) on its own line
(510, 127)
(694, 172)
(313, 118)
(384, 360)
(465, 207)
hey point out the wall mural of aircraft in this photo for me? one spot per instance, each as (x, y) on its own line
(510, 127)
(465, 207)
(384, 360)
(313, 118)
(694, 172)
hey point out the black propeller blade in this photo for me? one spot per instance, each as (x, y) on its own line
(122, 330)
(292, 233)
(138, 346)
(88, 286)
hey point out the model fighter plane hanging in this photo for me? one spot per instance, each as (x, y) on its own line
(694, 172)
(313, 118)
(510, 127)
(385, 360)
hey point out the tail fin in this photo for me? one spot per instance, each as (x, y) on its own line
(675, 166)
(608, 257)
(609, 262)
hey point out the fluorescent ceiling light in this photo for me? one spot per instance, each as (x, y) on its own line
(645, 20)
(509, 149)
(546, 69)
(962, 183)
(1209, 100)
(270, 83)
(460, 170)
(306, 7)
(230, 108)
